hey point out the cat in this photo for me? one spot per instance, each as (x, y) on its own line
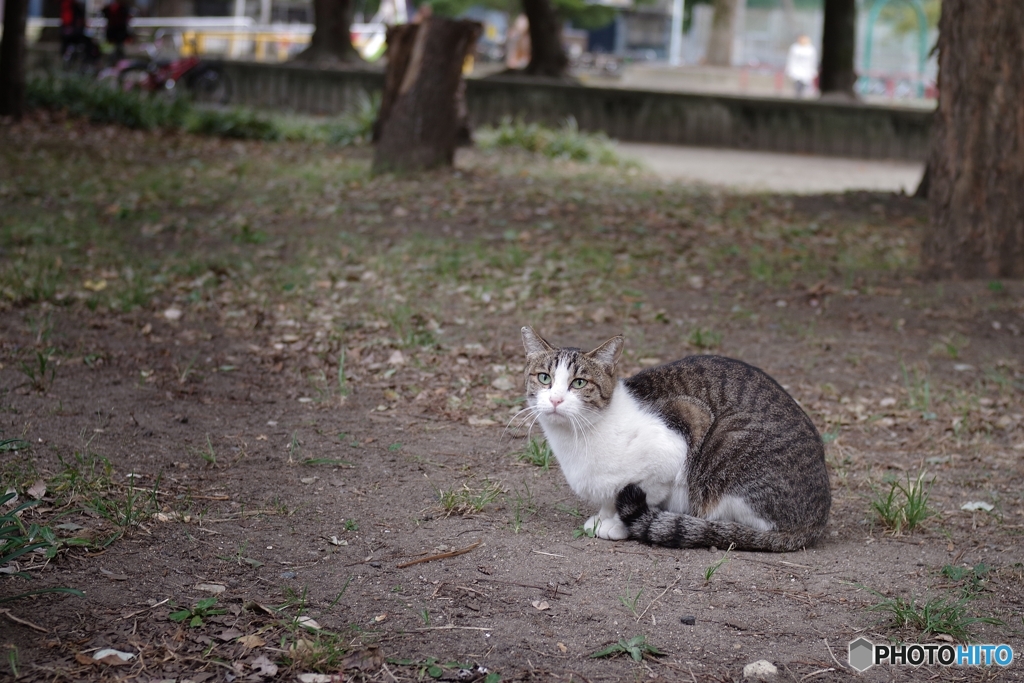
(725, 456)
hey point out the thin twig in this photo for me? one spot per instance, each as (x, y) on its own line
(450, 627)
(816, 673)
(442, 556)
(388, 672)
(129, 616)
(833, 654)
(656, 599)
(23, 622)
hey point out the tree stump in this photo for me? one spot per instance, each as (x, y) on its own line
(422, 111)
(976, 167)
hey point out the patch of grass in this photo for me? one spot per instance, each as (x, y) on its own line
(523, 505)
(566, 142)
(208, 454)
(351, 525)
(314, 650)
(537, 453)
(712, 569)
(240, 558)
(585, 531)
(919, 392)
(194, 616)
(105, 103)
(636, 647)
(18, 540)
(630, 600)
(970, 579)
(464, 500)
(940, 615)
(240, 124)
(905, 505)
(343, 389)
(81, 476)
(40, 370)
(705, 339)
(126, 513)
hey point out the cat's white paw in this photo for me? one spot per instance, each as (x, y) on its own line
(611, 529)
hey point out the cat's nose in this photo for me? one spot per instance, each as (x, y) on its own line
(555, 402)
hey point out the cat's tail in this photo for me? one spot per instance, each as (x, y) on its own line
(675, 530)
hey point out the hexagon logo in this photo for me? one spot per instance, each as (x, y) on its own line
(862, 654)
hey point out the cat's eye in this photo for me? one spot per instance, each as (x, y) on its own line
(579, 383)
(544, 378)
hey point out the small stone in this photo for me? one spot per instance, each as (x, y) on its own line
(689, 620)
(503, 383)
(761, 670)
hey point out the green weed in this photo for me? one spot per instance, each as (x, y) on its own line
(208, 454)
(705, 339)
(919, 392)
(464, 500)
(712, 569)
(128, 513)
(939, 615)
(636, 647)
(584, 531)
(970, 579)
(194, 616)
(905, 505)
(538, 453)
(567, 142)
(630, 600)
(18, 540)
(523, 505)
(40, 371)
(240, 558)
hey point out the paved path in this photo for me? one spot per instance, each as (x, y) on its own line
(773, 172)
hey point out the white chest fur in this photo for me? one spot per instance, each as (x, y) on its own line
(622, 444)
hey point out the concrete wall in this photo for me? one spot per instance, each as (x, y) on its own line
(809, 127)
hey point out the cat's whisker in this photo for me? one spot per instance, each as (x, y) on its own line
(529, 409)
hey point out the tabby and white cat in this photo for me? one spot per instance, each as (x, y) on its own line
(725, 456)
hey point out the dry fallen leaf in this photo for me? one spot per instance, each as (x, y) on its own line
(541, 604)
(251, 641)
(264, 666)
(562, 648)
(37, 490)
(367, 659)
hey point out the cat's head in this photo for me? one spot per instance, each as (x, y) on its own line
(566, 384)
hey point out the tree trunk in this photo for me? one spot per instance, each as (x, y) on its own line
(977, 149)
(51, 10)
(12, 59)
(547, 56)
(419, 123)
(332, 38)
(837, 77)
(722, 33)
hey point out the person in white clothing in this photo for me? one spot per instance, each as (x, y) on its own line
(802, 65)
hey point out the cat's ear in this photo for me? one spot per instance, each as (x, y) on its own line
(534, 343)
(608, 354)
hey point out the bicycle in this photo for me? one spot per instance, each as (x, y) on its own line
(205, 82)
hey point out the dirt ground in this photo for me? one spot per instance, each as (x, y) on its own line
(250, 372)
